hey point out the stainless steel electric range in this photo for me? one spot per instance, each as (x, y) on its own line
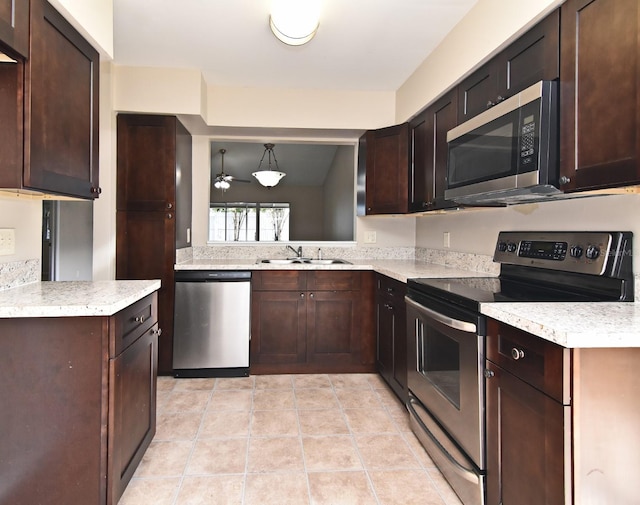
(446, 334)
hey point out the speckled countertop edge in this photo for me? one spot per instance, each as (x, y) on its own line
(71, 299)
(573, 325)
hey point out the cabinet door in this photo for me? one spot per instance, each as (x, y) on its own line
(146, 162)
(61, 111)
(384, 335)
(444, 117)
(525, 443)
(387, 161)
(333, 327)
(533, 57)
(14, 26)
(477, 92)
(600, 89)
(392, 334)
(278, 328)
(132, 410)
(145, 249)
(421, 183)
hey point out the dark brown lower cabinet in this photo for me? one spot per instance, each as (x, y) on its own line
(391, 330)
(561, 423)
(311, 322)
(525, 440)
(78, 404)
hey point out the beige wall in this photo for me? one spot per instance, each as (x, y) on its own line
(24, 215)
(476, 230)
(339, 191)
(104, 213)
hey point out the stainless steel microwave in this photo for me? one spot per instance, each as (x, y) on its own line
(509, 153)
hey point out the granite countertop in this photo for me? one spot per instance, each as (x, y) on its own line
(583, 324)
(400, 270)
(73, 298)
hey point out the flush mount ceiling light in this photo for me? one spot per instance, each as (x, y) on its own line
(294, 22)
(268, 178)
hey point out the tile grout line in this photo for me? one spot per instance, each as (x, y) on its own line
(194, 442)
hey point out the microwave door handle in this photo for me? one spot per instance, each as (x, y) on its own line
(456, 324)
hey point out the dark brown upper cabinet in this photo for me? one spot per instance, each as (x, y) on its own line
(429, 151)
(387, 162)
(14, 27)
(531, 58)
(600, 92)
(49, 112)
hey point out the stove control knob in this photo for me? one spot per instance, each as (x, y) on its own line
(502, 246)
(511, 247)
(576, 251)
(592, 252)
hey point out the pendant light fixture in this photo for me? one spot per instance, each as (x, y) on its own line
(268, 178)
(294, 22)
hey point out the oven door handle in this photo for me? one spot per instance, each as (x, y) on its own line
(456, 324)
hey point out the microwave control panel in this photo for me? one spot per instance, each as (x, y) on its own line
(528, 140)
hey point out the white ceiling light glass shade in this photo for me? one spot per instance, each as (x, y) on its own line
(221, 185)
(268, 178)
(295, 22)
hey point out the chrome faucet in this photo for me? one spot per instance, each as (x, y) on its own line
(298, 252)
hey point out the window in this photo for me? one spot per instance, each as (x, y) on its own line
(248, 222)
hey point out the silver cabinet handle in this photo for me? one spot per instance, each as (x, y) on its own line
(517, 354)
(139, 319)
(157, 332)
(441, 318)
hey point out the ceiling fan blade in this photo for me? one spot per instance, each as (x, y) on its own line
(235, 179)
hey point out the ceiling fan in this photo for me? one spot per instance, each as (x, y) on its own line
(222, 180)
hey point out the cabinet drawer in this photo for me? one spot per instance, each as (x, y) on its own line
(333, 280)
(133, 322)
(390, 288)
(540, 363)
(278, 280)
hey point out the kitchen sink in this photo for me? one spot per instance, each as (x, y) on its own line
(305, 261)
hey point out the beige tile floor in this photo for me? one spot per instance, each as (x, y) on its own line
(284, 439)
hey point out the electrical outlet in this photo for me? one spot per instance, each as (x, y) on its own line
(446, 239)
(369, 237)
(7, 241)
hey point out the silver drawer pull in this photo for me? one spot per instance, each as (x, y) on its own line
(139, 319)
(517, 354)
(157, 332)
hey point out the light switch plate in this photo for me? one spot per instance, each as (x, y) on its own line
(446, 239)
(369, 237)
(7, 241)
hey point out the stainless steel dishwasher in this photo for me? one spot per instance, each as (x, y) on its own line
(212, 323)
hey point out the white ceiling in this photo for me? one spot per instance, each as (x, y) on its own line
(360, 44)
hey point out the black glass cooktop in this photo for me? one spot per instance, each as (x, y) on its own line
(471, 291)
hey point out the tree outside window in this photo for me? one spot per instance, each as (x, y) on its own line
(248, 222)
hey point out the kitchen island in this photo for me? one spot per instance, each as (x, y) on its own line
(78, 365)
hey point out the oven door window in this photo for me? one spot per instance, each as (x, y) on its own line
(439, 362)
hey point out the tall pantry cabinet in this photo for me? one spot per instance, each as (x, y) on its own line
(153, 209)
